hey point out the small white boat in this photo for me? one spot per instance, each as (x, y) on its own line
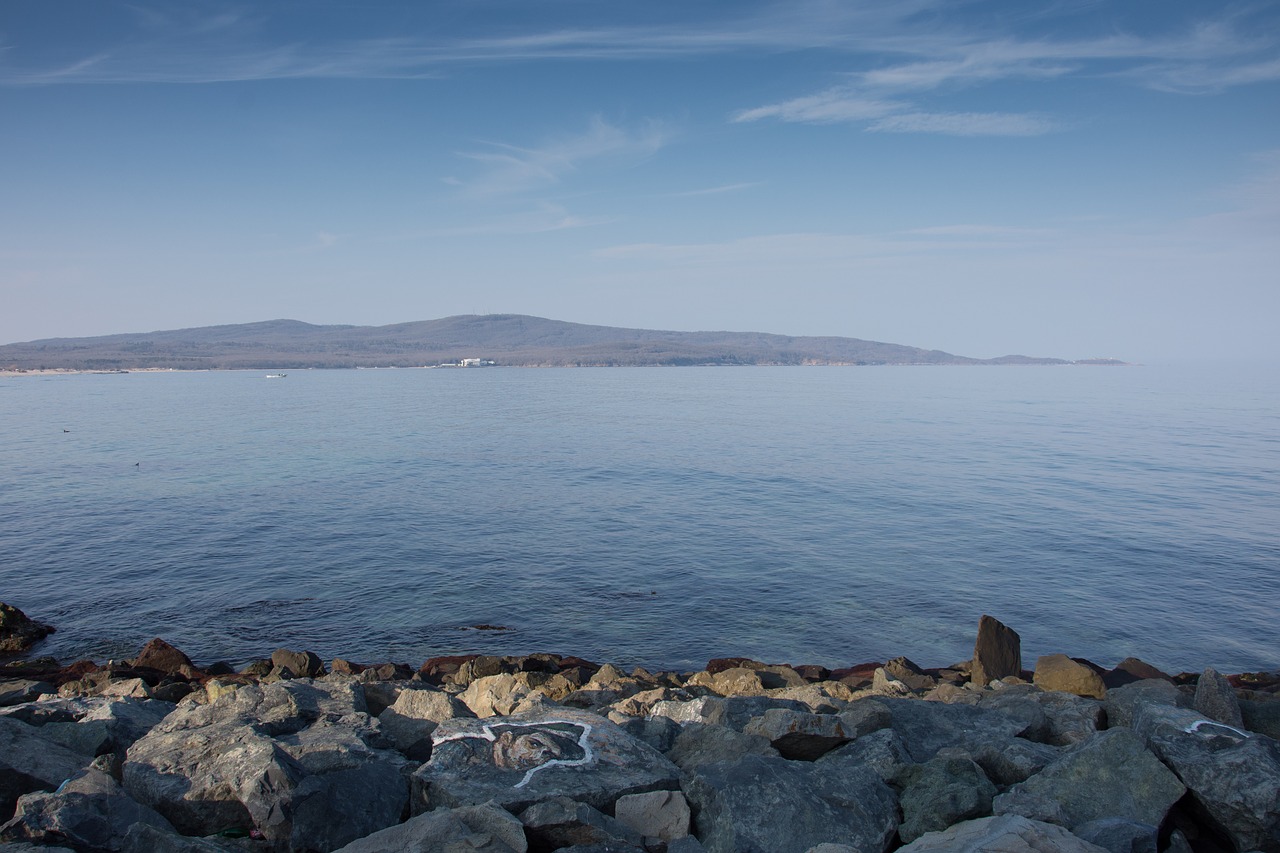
(276, 375)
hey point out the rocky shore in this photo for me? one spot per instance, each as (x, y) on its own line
(545, 752)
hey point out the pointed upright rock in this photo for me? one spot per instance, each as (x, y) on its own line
(997, 653)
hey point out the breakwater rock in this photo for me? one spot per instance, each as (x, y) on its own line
(545, 753)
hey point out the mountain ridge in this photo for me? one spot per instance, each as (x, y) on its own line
(505, 339)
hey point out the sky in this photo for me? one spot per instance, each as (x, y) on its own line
(1070, 179)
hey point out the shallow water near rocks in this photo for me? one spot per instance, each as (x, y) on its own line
(655, 516)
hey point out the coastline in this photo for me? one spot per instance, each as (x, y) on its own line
(545, 752)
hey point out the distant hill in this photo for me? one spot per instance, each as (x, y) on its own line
(504, 339)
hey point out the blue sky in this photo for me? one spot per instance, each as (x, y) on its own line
(1060, 178)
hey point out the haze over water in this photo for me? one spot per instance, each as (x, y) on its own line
(649, 516)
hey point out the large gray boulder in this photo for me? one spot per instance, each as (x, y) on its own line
(30, 763)
(561, 822)
(89, 811)
(760, 804)
(1110, 776)
(799, 735)
(15, 691)
(1123, 703)
(1233, 775)
(1216, 699)
(92, 725)
(1002, 834)
(883, 752)
(414, 715)
(298, 760)
(732, 711)
(927, 727)
(997, 652)
(700, 744)
(483, 828)
(522, 759)
(940, 792)
(663, 815)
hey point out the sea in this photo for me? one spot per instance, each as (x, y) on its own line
(653, 517)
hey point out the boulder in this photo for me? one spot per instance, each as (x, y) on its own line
(1120, 835)
(1122, 703)
(1233, 776)
(1005, 834)
(93, 725)
(659, 732)
(734, 712)
(909, 673)
(144, 838)
(19, 690)
(760, 804)
(699, 744)
(940, 792)
(882, 752)
(884, 684)
(414, 715)
(297, 760)
(162, 657)
(30, 763)
(560, 823)
(1261, 716)
(1112, 775)
(799, 735)
(655, 814)
(484, 828)
(494, 695)
(1216, 699)
(864, 716)
(90, 810)
(1059, 672)
(927, 727)
(526, 758)
(997, 652)
(298, 664)
(18, 632)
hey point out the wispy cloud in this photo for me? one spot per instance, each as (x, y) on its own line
(727, 188)
(543, 219)
(966, 124)
(508, 169)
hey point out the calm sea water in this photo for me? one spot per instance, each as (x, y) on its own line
(649, 516)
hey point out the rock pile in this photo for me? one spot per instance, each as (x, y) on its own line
(545, 753)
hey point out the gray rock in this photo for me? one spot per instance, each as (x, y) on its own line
(799, 735)
(298, 760)
(298, 664)
(760, 804)
(1122, 703)
(833, 848)
(884, 684)
(1118, 835)
(93, 725)
(688, 844)
(700, 744)
(520, 760)
(659, 732)
(927, 727)
(1072, 719)
(997, 652)
(940, 792)
(31, 763)
(89, 811)
(906, 671)
(1216, 699)
(883, 752)
(414, 715)
(657, 814)
(561, 822)
(1003, 834)
(483, 828)
(1059, 672)
(1234, 776)
(864, 716)
(1014, 760)
(1110, 776)
(24, 847)
(18, 690)
(1261, 716)
(734, 712)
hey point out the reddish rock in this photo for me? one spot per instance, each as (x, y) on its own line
(18, 632)
(1130, 670)
(75, 671)
(338, 666)
(162, 657)
(997, 652)
(856, 676)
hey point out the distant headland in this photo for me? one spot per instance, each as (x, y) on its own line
(506, 340)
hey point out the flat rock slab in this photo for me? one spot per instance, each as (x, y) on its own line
(484, 829)
(1005, 834)
(760, 804)
(523, 759)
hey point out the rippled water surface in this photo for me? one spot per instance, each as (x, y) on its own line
(649, 516)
